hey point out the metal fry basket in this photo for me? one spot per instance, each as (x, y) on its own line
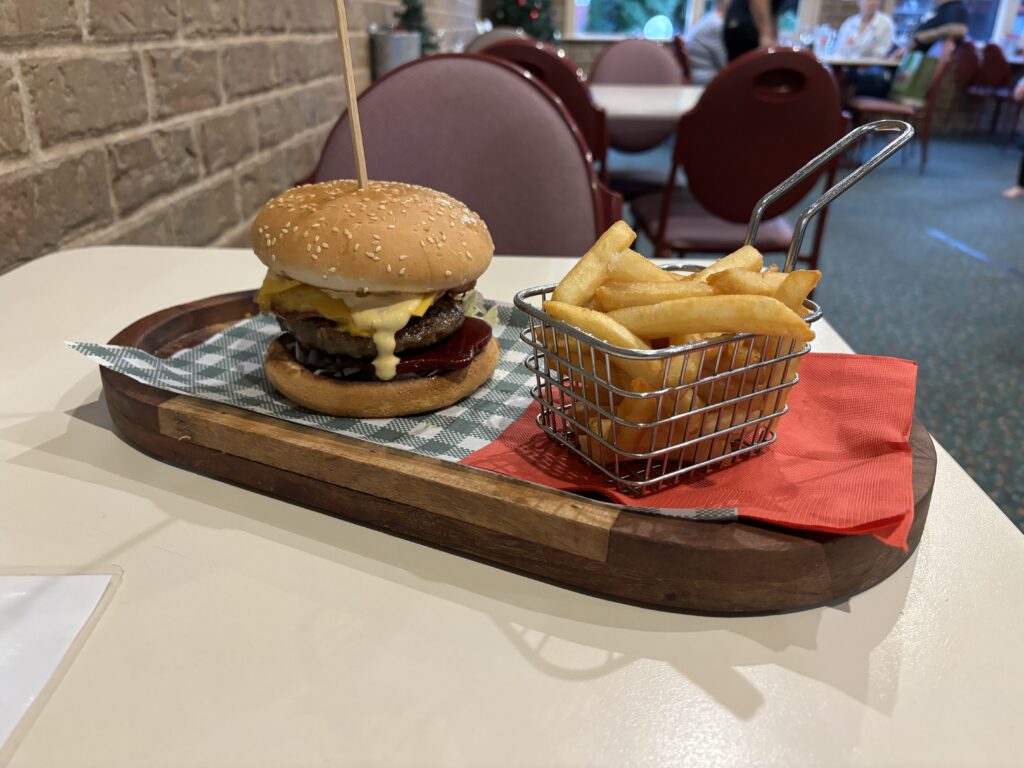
(718, 400)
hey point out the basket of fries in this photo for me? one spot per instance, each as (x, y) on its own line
(650, 374)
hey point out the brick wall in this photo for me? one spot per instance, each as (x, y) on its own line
(168, 121)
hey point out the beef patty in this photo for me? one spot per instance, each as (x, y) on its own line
(444, 317)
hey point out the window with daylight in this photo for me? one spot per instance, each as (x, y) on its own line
(653, 19)
(981, 18)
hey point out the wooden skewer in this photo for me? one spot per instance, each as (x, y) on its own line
(350, 90)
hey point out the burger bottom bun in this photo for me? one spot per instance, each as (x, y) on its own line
(375, 399)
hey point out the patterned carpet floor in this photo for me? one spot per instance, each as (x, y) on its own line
(931, 268)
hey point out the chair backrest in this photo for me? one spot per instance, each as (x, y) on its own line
(945, 52)
(995, 69)
(637, 62)
(679, 44)
(967, 64)
(495, 35)
(763, 117)
(474, 127)
(553, 68)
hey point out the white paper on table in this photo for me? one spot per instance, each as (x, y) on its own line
(41, 617)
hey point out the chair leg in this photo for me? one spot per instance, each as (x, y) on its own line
(997, 109)
(1011, 130)
(924, 147)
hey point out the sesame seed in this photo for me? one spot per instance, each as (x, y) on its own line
(377, 248)
(391, 226)
(403, 257)
(389, 267)
(316, 239)
(324, 245)
(348, 234)
(375, 257)
(318, 249)
(447, 273)
(334, 229)
(355, 247)
(401, 271)
(308, 247)
(333, 269)
(306, 233)
(469, 255)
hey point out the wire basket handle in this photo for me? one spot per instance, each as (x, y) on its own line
(906, 133)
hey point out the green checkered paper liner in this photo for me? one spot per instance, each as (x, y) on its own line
(228, 368)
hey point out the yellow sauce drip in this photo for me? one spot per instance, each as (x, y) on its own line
(386, 316)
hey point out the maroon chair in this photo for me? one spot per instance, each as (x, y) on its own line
(557, 71)
(867, 108)
(495, 35)
(637, 62)
(679, 44)
(503, 144)
(763, 117)
(994, 82)
(966, 68)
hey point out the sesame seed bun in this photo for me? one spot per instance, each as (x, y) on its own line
(375, 399)
(390, 237)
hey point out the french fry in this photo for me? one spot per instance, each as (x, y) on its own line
(744, 281)
(594, 362)
(601, 326)
(639, 410)
(747, 257)
(616, 295)
(796, 287)
(591, 271)
(721, 314)
(630, 266)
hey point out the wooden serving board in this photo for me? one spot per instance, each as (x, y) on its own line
(724, 568)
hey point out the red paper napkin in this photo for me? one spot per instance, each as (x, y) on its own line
(842, 462)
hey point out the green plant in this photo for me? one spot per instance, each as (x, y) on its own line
(535, 17)
(412, 18)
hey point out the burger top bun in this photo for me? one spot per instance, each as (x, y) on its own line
(389, 237)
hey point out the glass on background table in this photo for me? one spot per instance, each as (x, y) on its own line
(249, 631)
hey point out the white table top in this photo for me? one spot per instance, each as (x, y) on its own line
(840, 61)
(646, 102)
(251, 632)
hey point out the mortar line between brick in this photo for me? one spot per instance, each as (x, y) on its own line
(28, 116)
(101, 48)
(139, 215)
(148, 86)
(181, 23)
(82, 13)
(222, 93)
(80, 146)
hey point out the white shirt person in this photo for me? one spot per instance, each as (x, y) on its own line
(868, 35)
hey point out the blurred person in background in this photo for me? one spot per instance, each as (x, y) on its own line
(947, 20)
(867, 35)
(705, 46)
(751, 24)
(1017, 190)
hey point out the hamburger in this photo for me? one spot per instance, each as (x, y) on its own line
(369, 288)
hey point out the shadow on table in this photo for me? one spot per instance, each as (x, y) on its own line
(850, 648)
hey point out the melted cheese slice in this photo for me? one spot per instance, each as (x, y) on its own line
(379, 315)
